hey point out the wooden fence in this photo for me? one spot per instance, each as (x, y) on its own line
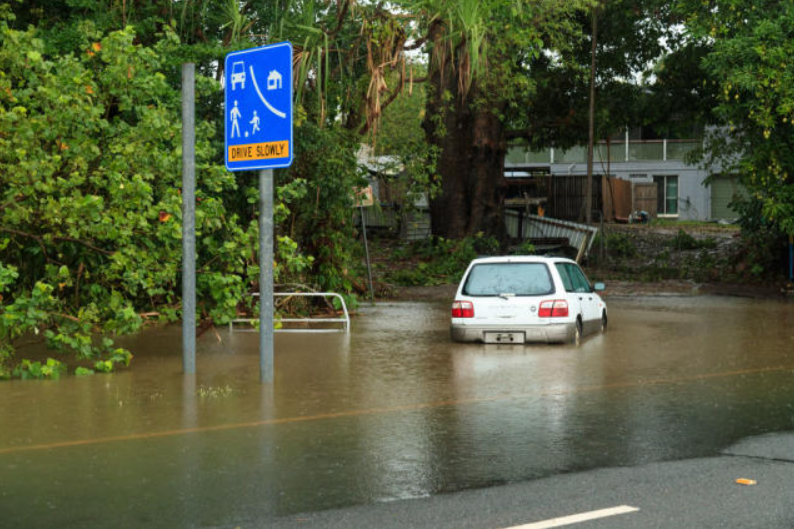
(645, 198)
(567, 197)
(617, 199)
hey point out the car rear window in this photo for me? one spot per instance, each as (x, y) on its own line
(519, 279)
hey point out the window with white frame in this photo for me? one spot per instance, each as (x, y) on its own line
(666, 194)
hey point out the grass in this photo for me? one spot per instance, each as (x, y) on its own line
(673, 223)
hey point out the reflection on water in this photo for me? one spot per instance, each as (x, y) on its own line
(394, 410)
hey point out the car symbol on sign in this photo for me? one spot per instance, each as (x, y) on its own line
(238, 74)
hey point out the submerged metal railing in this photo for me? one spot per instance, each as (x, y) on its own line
(580, 236)
(345, 321)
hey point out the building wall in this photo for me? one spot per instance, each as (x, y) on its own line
(694, 198)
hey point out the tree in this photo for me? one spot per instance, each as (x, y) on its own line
(479, 54)
(501, 72)
(629, 42)
(90, 169)
(750, 45)
(90, 204)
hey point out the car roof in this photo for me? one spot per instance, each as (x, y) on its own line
(520, 259)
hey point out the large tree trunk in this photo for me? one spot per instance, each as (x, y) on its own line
(472, 147)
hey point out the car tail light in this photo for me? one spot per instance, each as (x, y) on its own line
(555, 308)
(462, 309)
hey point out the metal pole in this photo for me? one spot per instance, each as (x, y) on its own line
(266, 275)
(791, 257)
(188, 219)
(588, 214)
(366, 252)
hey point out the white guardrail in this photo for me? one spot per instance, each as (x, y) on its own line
(345, 321)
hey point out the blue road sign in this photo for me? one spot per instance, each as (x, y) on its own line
(258, 108)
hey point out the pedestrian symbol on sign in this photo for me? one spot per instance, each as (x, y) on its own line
(255, 122)
(235, 115)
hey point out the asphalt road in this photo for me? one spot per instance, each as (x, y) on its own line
(699, 493)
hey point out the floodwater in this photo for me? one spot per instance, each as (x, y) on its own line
(393, 410)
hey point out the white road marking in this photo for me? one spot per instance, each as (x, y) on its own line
(578, 518)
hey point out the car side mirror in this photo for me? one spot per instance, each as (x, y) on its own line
(598, 287)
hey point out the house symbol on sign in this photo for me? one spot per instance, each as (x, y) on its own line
(274, 80)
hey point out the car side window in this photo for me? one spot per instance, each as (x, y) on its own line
(566, 278)
(581, 284)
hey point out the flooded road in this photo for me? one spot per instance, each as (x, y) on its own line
(393, 410)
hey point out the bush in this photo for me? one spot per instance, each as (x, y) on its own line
(684, 241)
(620, 245)
(442, 261)
(525, 248)
(763, 242)
(90, 200)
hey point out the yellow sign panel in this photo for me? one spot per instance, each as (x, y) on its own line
(259, 151)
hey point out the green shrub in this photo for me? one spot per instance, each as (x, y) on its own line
(51, 369)
(621, 245)
(525, 248)
(441, 261)
(684, 241)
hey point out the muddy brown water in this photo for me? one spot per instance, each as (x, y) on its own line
(393, 410)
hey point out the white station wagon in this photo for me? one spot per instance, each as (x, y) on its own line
(523, 299)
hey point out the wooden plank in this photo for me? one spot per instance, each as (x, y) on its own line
(617, 193)
(645, 198)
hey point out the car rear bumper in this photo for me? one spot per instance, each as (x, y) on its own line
(549, 333)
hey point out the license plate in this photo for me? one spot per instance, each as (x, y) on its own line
(504, 337)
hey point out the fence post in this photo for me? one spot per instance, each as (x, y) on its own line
(627, 144)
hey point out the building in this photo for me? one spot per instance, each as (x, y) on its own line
(660, 180)
(393, 211)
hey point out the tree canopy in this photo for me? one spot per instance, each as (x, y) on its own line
(90, 203)
(748, 62)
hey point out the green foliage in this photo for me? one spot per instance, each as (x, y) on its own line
(401, 136)
(762, 240)
(620, 245)
(90, 203)
(684, 241)
(51, 369)
(321, 221)
(82, 195)
(629, 37)
(441, 261)
(749, 64)
(525, 248)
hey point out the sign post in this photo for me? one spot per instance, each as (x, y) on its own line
(258, 136)
(365, 198)
(188, 219)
